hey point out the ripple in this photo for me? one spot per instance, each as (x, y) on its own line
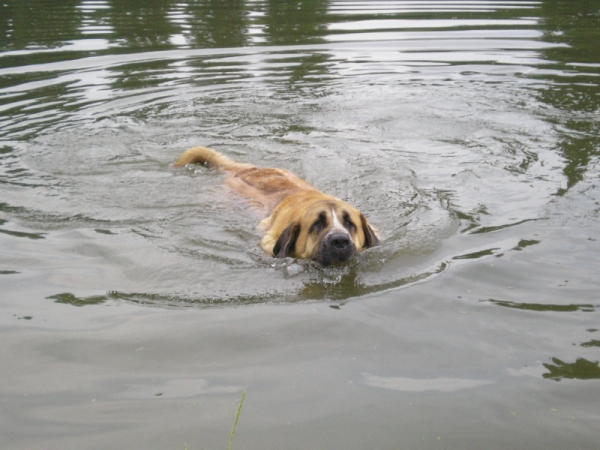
(434, 126)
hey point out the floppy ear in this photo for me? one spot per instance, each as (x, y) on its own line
(371, 239)
(286, 243)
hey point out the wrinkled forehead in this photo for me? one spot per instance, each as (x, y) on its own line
(332, 208)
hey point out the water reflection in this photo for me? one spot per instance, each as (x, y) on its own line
(421, 111)
(213, 23)
(39, 23)
(70, 299)
(581, 369)
(162, 24)
(157, 300)
(293, 22)
(33, 236)
(575, 92)
(545, 307)
(453, 123)
(142, 24)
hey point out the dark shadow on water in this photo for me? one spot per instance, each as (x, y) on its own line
(333, 285)
(476, 255)
(545, 308)
(33, 236)
(482, 230)
(348, 285)
(70, 299)
(581, 369)
(525, 243)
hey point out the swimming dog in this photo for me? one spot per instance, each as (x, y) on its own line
(302, 222)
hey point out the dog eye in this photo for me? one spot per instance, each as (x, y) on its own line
(348, 223)
(320, 223)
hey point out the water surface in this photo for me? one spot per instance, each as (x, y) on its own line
(137, 305)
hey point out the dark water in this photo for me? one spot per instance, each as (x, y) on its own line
(136, 305)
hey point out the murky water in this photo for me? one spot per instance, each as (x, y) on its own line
(137, 306)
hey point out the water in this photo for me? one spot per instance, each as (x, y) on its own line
(136, 305)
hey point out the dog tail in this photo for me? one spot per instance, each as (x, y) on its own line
(207, 157)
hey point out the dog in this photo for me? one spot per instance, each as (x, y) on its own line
(302, 222)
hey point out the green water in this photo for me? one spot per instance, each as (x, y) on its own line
(136, 305)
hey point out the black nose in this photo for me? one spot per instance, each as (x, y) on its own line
(335, 248)
(340, 241)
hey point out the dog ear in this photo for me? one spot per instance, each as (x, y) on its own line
(371, 239)
(286, 243)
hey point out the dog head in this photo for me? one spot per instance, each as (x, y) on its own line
(328, 231)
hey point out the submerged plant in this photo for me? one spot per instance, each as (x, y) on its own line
(237, 418)
(235, 423)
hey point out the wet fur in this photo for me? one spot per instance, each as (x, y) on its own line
(302, 221)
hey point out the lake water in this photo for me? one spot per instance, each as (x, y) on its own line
(136, 305)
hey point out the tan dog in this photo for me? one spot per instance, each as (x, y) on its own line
(303, 222)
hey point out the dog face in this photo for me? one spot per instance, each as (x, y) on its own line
(328, 231)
